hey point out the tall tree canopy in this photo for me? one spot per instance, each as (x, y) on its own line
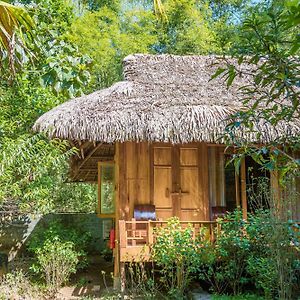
(78, 47)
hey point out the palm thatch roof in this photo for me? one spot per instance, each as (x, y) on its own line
(164, 98)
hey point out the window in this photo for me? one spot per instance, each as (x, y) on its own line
(222, 182)
(106, 189)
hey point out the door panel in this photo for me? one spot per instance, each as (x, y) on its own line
(176, 179)
(162, 182)
(189, 188)
(189, 184)
(189, 156)
(162, 156)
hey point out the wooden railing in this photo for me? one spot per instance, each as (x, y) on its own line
(136, 237)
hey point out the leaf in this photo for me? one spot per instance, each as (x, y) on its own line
(231, 75)
(14, 21)
(217, 73)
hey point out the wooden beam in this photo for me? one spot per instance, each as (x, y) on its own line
(86, 176)
(237, 190)
(103, 158)
(89, 155)
(151, 179)
(244, 189)
(176, 199)
(82, 146)
(92, 170)
(116, 251)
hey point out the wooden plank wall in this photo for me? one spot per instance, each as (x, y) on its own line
(134, 177)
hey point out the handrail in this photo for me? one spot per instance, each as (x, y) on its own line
(165, 222)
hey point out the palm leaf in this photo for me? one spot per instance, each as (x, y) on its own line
(14, 21)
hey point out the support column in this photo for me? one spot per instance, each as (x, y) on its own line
(244, 189)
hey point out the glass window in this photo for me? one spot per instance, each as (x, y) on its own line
(222, 179)
(106, 182)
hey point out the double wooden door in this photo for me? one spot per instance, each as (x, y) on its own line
(180, 185)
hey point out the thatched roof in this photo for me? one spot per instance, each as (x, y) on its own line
(162, 98)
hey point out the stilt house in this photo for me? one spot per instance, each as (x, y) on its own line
(154, 145)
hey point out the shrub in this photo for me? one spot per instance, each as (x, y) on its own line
(141, 281)
(56, 231)
(223, 264)
(261, 251)
(16, 286)
(273, 261)
(56, 260)
(175, 251)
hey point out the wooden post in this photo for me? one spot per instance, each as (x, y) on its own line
(244, 189)
(237, 190)
(150, 233)
(117, 200)
(133, 228)
(176, 199)
(122, 233)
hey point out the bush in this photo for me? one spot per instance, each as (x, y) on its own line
(261, 251)
(16, 286)
(58, 252)
(273, 261)
(56, 231)
(223, 264)
(56, 260)
(141, 281)
(176, 252)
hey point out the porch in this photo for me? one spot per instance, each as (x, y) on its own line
(136, 237)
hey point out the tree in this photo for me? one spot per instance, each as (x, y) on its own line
(33, 170)
(185, 28)
(14, 22)
(269, 42)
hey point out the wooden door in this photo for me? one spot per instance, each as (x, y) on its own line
(162, 181)
(176, 178)
(189, 184)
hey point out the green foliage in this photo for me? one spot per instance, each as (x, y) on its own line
(273, 261)
(64, 71)
(261, 251)
(59, 64)
(15, 26)
(186, 30)
(58, 232)
(269, 41)
(141, 281)
(32, 169)
(56, 260)
(107, 39)
(223, 263)
(175, 251)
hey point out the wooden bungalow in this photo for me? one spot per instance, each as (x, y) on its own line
(153, 144)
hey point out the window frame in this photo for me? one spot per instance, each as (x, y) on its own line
(99, 213)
